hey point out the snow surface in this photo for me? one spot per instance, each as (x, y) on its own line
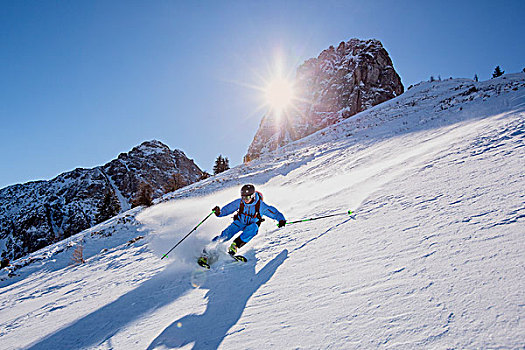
(433, 258)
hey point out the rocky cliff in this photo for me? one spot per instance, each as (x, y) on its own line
(339, 83)
(36, 214)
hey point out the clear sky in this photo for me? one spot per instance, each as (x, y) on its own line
(82, 81)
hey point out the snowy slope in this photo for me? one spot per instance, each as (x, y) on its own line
(434, 257)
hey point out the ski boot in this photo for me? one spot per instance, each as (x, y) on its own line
(233, 249)
(203, 261)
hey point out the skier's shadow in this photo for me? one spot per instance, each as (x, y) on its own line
(227, 297)
(101, 325)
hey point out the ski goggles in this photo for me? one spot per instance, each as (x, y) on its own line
(248, 197)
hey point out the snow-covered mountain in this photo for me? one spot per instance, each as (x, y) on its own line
(36, 214)
(339, 83)
(432, 259)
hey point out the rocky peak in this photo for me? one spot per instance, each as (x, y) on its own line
(150, 147)
(339, 83)
(151, 162)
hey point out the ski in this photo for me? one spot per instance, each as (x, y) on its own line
(203, 262)
(206, 263)
(239, 258)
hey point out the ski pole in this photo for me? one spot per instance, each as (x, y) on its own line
(317, 218)
(175, 246)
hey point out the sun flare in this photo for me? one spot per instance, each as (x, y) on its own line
(279, 94)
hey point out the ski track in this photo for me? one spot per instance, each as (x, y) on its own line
(433, 258)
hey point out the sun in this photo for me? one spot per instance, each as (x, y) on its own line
(279, 94)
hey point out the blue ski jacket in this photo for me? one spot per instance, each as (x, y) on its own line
(248, 216)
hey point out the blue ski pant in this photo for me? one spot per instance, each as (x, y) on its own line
(248, 231)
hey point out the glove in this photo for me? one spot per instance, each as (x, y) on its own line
(217, 210)
(281, 223)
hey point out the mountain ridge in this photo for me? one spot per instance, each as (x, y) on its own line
(38, 213)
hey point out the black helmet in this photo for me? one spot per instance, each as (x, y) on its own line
(247, 190)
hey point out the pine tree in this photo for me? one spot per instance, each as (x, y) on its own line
(109, 207)
(144, 195)
(4, 263)
(78, 255)
(497, 72)
(204, 176)
(218, 164)
(221, 164)
(175, 182)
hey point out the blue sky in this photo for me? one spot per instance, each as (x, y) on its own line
(82, 81)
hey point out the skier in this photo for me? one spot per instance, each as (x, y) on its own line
(250, 209)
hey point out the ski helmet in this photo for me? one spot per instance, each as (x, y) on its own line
(247, 190)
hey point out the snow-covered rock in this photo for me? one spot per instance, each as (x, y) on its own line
(341, 82)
